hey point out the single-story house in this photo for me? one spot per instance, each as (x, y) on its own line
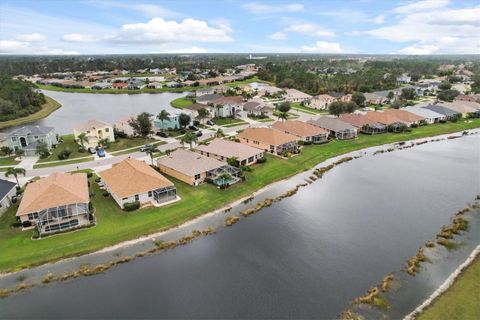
(336, 127)
(221, 89)
(134, 180)
(101, 85)
(173, 121)
(447, 112)
(405, 116)
(154, 85)
(95, 131)
(256, 108)
(321, 101)
(123, 125)
(385, 118)
(305, 131)
(269, 140)
(375, 98)
(468, 97)
(463, 107)
(230, 106)
(29, 137)
(430, 116)
(194, 169)
(56, 203)
(7, 191)
(294, 95)
(224, 149)
(119, 85)
(363, 124)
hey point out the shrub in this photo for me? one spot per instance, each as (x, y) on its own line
(414, 125)
(89, 174)
(97, 179)
(91, 194)
(16, 224)
(262, 160)
(131, 206)
(26, 224)
(105, 193)
(64, 154)
(442, 121)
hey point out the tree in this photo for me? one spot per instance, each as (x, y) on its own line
(202, 114)
(15, 172)
(141, 125)
(42, 150)
(189, 138)
(6, 150)
(82, 138)
(233, 161)
(358, 98)
(163, 116)
(225, 176)
(390, 96)
(447, 95)
(219, 133)
(445, 85)
(283, 109)
(184, 120)
(150, 151)
(408, 94)
(338, 107)
(19, 153)
(283, 116)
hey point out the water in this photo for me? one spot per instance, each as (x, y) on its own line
(305, 257)
(80, 107)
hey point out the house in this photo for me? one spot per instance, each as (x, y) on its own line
(336, 128)
(174, 84)
(223, 149)
(154, 85)
(29, 137)
(195, 107)
(230, 106)
(306, 132)
(269, 140)
(294, 95)
(173, 121)
(95, 131)
(194, 168)
(56, 203)
(101, 86)
(468, 97)
(135, 84)
(384, 118)
(404, 78)
(207, 98)
(363, 124)
(448, 113)
(119, 85)
(464, 107)
(7, 191)
(134, 180)
(221, 89)
(430, 116)
(321, 101)
(123, 125)
(256, 108)
(375, 98)
(204, 91)
(407, 117)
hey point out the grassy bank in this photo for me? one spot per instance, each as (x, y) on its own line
(181, 103)
(19, 251)
(461, 301)
(50, 106)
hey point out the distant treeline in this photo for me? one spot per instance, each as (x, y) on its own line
(18, 99)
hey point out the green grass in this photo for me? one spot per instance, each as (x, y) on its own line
(461, 301)
(299, 107)
(290, 115)
(19, 251)
(247, 81)
(228, 121)
(126, 143)
(61, 163)
(181, 103)
(49, 107)
(155, 142)
(6, 161)
(68, 142)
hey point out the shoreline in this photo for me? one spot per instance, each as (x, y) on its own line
(444, 287)
(152, 236)
(39, 115)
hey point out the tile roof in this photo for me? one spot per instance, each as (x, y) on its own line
(91, 125)
(383, 117)
(332, 124)
(55, 190)
(296, 94)
(404, 115)
(299, 128)
(197, 106)
(237, 100)
(267, 136)
(356, 120)
(188, 162)
(462, 106)
(227, 149)
(208, 97)
(131, 177)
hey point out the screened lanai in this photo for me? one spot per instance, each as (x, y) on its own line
(62, 218)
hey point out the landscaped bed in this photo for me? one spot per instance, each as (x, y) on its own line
(115, 226)
(68, 142)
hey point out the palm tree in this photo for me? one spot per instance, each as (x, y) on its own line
(15, 172)
(233, 161)
(202, 114)
(150, 151)
(163, 116)
(104, 143)
(189, 138)
(224, 176)
(219, 133)
(82, 138)
(283, 116)
(19, 153)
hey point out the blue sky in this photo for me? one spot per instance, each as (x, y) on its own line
(189, 26)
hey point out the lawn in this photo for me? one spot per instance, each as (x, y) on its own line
(19, 251)
(126, 143)
(7, 161)
(247, 81)
(461, 301)
(299, 107)
(290, 115)
(62, 163)
(68, 142)
(181, 103)
(228, 121)
(50, 106)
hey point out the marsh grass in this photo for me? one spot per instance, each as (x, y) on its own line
(231, 220)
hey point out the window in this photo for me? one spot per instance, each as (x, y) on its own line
(14, 139)
(137, 197)
(35, 137)
(107, 129)
(35, 215)
(30, 216)
(197, 176)
(124, 199)
(250, 159)
(149, 194)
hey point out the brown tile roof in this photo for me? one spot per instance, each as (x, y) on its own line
(91, 125)
(404, 115)
(228, 100)
(55, 190)
(188, 162)
(462, 106)
(299, 128)
(356, 120)
(197, 106)
(267, 136)
(227, 149)
(131, 177)
(382, 117)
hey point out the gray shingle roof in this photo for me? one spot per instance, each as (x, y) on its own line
(5, 187)
(442, 110)
(332, 124)
(35, 130)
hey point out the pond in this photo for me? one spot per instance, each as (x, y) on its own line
(307, 256)
(80, 107)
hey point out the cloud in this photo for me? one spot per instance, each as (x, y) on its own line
(159, 30)
(147, 9)
(278, 36)
(379, 19)
(23, 47)
(323, 47)
(193, 49)
(419, 49)
(78, 37)
(261, 8)
(310, 29)
(418, 6)
(31, 37)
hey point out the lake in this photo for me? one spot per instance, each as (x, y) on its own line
(307, 256)
(80, 107)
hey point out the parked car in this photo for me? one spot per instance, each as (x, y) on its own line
(210, 122)
(162, 134)
(92, 150)
(199, 133)
(193, 128)
(145, 147)
(101, 152)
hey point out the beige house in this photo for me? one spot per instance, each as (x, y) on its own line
(322, 101)
(123, 125)
(56, 203)
(305, 131)
(294, 95)
(194, 169)
(95, 131)
(223, 149)
(134, 180)
(269, 140)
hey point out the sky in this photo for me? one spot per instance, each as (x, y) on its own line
(227, 26)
